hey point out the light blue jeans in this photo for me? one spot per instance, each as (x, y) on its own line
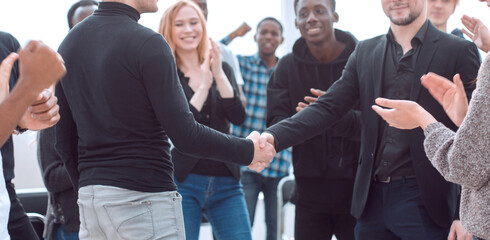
(221, 201)
(114, 213)
(253, 184)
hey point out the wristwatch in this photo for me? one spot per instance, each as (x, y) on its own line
(19, 130)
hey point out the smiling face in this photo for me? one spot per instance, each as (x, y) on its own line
(439, 11)
(268, 37)
(187, 30)
(403, 12)
(314, 19)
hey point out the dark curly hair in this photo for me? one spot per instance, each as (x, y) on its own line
(270, 19)
(331, 2)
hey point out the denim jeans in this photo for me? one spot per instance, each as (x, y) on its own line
(114, 213)
(61, 234)
(253, 184)
(221, 201)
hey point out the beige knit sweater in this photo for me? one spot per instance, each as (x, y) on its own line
(464, 157)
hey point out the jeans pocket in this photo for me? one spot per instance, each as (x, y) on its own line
(131, 220)
(83, 232)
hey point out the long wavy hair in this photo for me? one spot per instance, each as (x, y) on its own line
(167, 24)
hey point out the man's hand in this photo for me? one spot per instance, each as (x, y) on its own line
(5, 70)
(310, 100)
(451, 95)
(263, 153)
(43, 113)
(242, 29)
(39, 67)
(477, 31)
(403, 114)
(457, 230)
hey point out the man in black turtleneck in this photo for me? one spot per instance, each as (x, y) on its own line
(324, 165)
(119, 101)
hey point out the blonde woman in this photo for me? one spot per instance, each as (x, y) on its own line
(208, 187)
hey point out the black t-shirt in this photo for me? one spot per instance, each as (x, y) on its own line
(120, 101)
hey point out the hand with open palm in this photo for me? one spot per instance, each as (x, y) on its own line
(477, 31)
(451, 95)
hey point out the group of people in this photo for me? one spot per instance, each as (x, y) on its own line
(127, 91)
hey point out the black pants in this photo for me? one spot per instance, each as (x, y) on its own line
(19, 227)
(395, 211)
(311, 225)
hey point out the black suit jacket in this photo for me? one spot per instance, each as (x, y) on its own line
(362, 80)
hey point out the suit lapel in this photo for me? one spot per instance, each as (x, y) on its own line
(377, 66)
(424, 59)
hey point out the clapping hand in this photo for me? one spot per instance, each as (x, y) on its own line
(207, 76)
(451, 95)
(403, 114)
(477, 31)
(264, 152)
(243, 29)
(310, 100)
(5, 70)
(40, 67)
(43, 113)
(215, 62)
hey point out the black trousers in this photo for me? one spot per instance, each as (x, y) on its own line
(311, 225)
(395, 211)
(19, 226)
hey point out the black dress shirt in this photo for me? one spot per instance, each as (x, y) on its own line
(393, 157)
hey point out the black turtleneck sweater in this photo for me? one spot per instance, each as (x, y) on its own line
(120, 100)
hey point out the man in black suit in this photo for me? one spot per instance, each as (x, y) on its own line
(397, 193)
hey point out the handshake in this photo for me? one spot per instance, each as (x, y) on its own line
(264, 150)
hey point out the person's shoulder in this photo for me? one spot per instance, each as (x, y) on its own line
(457, 32)
(286, 58)
(454, 43)
(372, 41)
(226, 67)
(5, 35)
(8, 40)
(242, 59)
(285, 63)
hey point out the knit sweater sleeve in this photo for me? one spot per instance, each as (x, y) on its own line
(462, 157)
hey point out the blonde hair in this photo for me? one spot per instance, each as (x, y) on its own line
(167, 24)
